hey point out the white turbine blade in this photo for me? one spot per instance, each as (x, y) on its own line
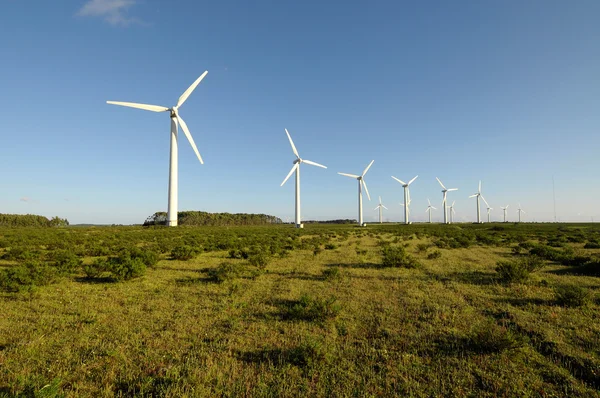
(452, 189)
(186, 131)
(290, 174)
(367, 169)
(191, 88)
(313, 163)
(153, 108)
(453, 211)
(292, 144)
(380, 200)
(411, 181)
(472, 196)
(400, 181)
(366, 189)
(486, 203)
(434, 208)
(384, 207)
(438, 180)
(507, 206)
(428, 202)
(349, 175)
(453, 203)
(376, 208)
(479, 186)
(523, 211)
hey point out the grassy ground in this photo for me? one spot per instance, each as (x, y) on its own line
(330, 323)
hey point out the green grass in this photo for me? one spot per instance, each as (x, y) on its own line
(332, 323)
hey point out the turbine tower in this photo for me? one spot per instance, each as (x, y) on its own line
(488, 208)
(519, 210)
(429, 210)
(452, 212)
(380, 206)
(175, 120)
(504, 209)
(478, 195)
(296, 168)
(444, 191)
(406, 203)
(361, 182)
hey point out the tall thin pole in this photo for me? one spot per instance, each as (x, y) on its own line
(445, 209)
(172, 209)
(405, 205)
(360, 214)
(298, 220)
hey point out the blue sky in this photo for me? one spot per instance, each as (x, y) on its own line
(506, 92)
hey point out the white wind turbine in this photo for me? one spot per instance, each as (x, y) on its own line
(488, 208)
(444, 191)
(175, 120)
(429, 210)
(504, 209)
(452, 212)
(380, 206)
(361, 182)
(519, 210)
(296, 168)
(478, 195)
(406, 203)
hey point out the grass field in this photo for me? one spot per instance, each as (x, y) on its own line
(421, 310)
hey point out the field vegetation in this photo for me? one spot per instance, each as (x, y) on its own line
(331, 310)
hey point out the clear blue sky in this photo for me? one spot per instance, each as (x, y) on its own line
(506, 92)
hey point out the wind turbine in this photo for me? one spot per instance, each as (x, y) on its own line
(406, 203)
(429, 210)
(444, 191)
(488, 208)
(296, 168)
(175, 120)
(504, 209)
(361, 182)
(519, 210)
(380, 206)
(452, 212)
(478, 194)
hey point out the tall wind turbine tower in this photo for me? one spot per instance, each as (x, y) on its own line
(444, 192)
(519, 210)
(380, 207)
(429, 210)
(478, 195)
(406, 203)
(504, 209)
(452, 212)
(175, 120)
(488, 208)
(361, 182)
(296, 168)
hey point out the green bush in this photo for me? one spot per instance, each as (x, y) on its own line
(396, 256)
(332, 273)
(313, 309)
(571, 296)
(489, 337)
(434, 254)
(423, 247)
(20, 254)
(518, 270)
(330, 246)
(65, 261)
(183, 252)
(259, 259)
(26, 276)
(225, 271)
(592, 245)
(118, 268)
(149, 257)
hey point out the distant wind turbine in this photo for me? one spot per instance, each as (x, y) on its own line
(488, 208)
(406, 203)
(444, 192)
(452, 212)
(504, 209)
(519, 210)
(429, 210)
(478, 195)
(380, 206)
(361, 182)
(296, 168)
(175, 120)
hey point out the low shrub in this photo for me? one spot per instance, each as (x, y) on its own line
(330, 246)
(434, 254)
(119, 268)
(518, 270)
(183, 252)
(313, 309)
(149, 257)
(332, 273)
(489, 337)
(20, 254)
(225, 271)
(571, 296)
(317, 250)
(396, 256)
(422, 247)
(65, 261)
(26, 276)
(592, 245)
(259, 259)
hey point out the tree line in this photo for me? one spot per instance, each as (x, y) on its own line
(31, 220)
(213, 219)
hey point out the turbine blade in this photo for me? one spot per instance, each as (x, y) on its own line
(349, 175)
(507, 206)
(486, 203)
(452, 189)
(472, 196)
(292, 143)
(376, 208)
(153, 108)
(190, 89)
(186, 131)
(400, 181)
(380, 200)
(453, 203)
(479, 186)
(313, 163)
(294, 167)
(384, 207)
(434, 208)
(438, 180)
(411, 181)
(367, 169)
(428, 202)
(366, 189)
